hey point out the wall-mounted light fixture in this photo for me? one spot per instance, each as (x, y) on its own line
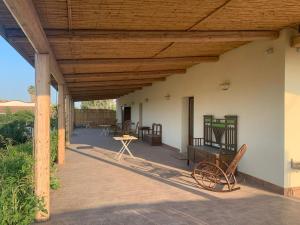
(225, 85)
(146, 99)
(270, 51)
(167, 97)
(132, 103)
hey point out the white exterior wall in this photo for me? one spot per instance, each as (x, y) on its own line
(292, 112)
(256, 95)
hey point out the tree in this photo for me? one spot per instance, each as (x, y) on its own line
(31, 92)
(99, 104)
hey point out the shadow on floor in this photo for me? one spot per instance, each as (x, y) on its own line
(92, 138)
(171, 177)
(258, 210)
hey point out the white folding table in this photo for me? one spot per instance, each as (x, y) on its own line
(125, 140)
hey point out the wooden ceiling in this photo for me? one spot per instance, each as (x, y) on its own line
(109, 48)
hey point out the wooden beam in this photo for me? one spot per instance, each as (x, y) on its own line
(95, 97)
(138, 61)
(102, 91)
(114, 78)
(121, 75)
(102, 36)
(112, 83)
(42, 133)
(113, 87)
(28, 20)
(61, 125)
(296, 42)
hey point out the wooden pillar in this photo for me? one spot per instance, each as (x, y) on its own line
(67, 113)
(61, 125)
(42, 132)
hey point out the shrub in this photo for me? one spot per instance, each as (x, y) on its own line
(15, 128)
(54, 182)
(18, 203)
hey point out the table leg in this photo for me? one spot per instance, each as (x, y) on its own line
(125, 147)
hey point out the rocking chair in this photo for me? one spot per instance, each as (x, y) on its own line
(211, 177)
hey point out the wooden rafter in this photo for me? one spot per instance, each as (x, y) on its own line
(128, 61)
(28, 20)
(110, 87)
(69, 7)
(111, 83)
(95, 97)
(99, 90)
(120, 75)
(98, 36)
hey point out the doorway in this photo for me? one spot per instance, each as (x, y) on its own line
(141, 114)
(191, 120)
(126, 114)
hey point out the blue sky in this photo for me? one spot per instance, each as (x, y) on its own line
(16, 75)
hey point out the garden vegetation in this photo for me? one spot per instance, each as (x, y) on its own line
(18, 203)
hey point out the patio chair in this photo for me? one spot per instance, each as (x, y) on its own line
(211, 177)
(154, 137)
(127, 127)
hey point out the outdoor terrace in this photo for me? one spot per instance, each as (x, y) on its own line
(155, 188)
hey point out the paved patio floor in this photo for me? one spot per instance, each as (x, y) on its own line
(156, 188)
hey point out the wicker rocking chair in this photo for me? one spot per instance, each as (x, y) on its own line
(211, 177)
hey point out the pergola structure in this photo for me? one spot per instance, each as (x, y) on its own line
(106, 49)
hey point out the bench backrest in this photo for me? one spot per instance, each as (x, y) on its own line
(220, 133)
(157, 129)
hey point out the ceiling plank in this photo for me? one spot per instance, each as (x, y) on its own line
(116, 91)
(27, 18)
(296, 42)
(112, 78)
(110, 87)
(100, 36)
(129, 73)
(95, 97)
(134, 61)
(112, 83)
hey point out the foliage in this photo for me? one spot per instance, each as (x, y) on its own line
(99, 104)
(15, 128)
(54, 118)
(18, 203)
(54, 182)
(31, 92)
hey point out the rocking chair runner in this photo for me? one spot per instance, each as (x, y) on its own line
(211, 177)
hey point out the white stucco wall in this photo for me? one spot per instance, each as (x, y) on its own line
(292, 112)
(256, 95)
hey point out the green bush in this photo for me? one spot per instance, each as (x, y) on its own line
(15, 128)
(54, 182)
(18, 203)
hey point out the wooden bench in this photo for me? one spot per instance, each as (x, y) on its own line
(218, 144)
(154, 135)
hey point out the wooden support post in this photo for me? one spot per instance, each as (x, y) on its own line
(68, 132)
(61, 125)
(42, 132)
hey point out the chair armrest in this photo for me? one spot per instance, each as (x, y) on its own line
(198, 141)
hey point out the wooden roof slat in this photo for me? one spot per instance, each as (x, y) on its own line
(112, 83)
(98, 36)
(171, 60)
(120, 75)
(110, 87)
